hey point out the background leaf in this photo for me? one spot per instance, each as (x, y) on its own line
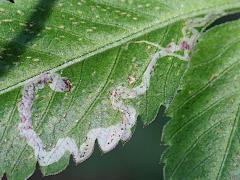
(204, 132)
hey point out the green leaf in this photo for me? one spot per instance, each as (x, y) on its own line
(204, 131)
(88, 106)
(38, 36)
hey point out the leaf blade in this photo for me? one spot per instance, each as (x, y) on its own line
(88, 106)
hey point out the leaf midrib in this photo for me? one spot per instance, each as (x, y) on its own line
(154, 26)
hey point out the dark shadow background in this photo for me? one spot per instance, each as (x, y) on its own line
(139, 159)
(34, 25)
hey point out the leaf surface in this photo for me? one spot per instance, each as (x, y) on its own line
(56, 36)
(38, 36)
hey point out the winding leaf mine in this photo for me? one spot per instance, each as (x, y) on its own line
(108, 137)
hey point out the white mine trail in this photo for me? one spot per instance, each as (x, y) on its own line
(108, 137)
